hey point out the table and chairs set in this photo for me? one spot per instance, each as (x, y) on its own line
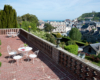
(23, 53)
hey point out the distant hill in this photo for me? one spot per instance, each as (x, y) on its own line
(95, 15)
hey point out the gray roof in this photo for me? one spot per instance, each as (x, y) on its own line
(95, 46)
(85, 26)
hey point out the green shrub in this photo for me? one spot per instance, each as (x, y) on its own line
(86, 44)
(0, 64)
(0, 42)
(0, 54)
(72, 48)
(98, 56)
(58, 35)
(51, 38)
(71, 42)
(88, 57)
(62, 44)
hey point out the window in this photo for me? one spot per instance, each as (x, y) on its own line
(89, 50)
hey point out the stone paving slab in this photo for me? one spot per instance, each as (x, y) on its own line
(42, 69)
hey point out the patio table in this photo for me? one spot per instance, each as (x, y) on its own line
(25, 50)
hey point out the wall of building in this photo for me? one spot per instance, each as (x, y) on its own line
(86, 50)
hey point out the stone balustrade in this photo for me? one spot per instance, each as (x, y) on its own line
(80, 68)
(4, 31)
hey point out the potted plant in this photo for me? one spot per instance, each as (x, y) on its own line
(25, 45)
(58, 37)
(29, 28)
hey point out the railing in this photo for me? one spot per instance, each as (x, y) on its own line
(4, 31)
(80, 68)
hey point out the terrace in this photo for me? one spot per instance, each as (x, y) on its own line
(52, 63)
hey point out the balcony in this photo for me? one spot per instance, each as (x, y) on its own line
(52, 63)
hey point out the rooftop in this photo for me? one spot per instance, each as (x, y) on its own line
(52, 63)
(42, 69)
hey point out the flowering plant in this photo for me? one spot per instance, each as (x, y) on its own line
(29, 26)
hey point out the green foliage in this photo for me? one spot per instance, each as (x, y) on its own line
(0, 64)
(25, 25)
(8, 17)
(72, 49)
(96, 16)
(0, 42)
(29, 18)
(62, 44)
(0, 54)
(48, 27)
(75, 34)
(86, 44)
(40, 34)
(71, 42)
(93, 58)
(58, 35)
(25, 44)
(51, 38)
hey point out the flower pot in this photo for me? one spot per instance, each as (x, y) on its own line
(29, 29)
(58, 42)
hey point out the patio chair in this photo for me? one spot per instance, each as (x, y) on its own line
(16, 34)
(10, 51)
(8, 34)
(34, 55)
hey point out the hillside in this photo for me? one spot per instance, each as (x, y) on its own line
(96, 16)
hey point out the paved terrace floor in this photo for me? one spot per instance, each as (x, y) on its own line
(42, 69)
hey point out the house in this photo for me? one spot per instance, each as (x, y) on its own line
(88, 26)
(92, 49)
(59, 26)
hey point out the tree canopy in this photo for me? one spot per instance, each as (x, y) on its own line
(96, 16)
(75, 34)
(28, 17)
(48, 27)
(8, 18)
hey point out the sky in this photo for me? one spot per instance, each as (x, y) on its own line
(53, 9)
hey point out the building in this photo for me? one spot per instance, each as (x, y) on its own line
(41, 24)
(59, 26)
(92, 49)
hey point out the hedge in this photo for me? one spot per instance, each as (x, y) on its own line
(72, 49)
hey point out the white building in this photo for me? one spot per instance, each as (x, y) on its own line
(41, 24)
(60, 26)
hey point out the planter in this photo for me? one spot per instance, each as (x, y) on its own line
(20, 25)
(29, 29)
(58, 42)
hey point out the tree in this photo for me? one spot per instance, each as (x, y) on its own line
(48, 27)
(8, 17)
(30, 18)
(75, 34)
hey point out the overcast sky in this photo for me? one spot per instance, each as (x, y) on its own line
(53, 9)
